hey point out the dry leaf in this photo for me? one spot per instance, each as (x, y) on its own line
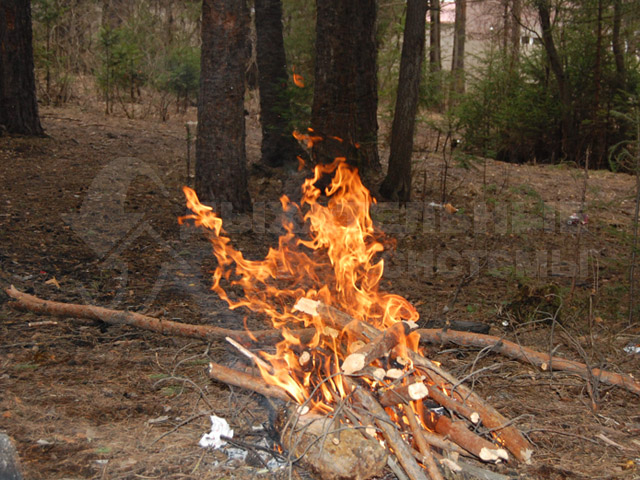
(450, 208)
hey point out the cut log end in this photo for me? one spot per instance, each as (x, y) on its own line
(417, 391)
(306, 305)
(353, 363)
(493, 455)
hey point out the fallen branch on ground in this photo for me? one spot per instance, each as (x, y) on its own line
(24, 301)
(527, 355)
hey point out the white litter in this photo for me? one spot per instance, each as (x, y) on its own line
(219, 427)
(632, 348)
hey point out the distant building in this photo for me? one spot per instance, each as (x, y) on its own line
(485, 29)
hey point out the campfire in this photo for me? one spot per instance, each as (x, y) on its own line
(350, 357)
(342, 355)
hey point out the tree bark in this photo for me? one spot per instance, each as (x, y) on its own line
(397, 184)
(459, 40)
(278, 145)
(345, 98)
(18, 103)
(221, 160)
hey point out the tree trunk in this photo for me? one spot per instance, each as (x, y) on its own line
(459, 37)
(345, 99)
(397, 184)
(278, 145)
(598, 142)
(18, 103)
(544, 15)
(511, 31)
(221, 163)
(617, 45)
(516, 19)
(435, 50)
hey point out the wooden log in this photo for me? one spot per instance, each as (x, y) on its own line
(376, 348)
(421, 442)
(452, 404)
(247, 381)
(37, 305)
(24, 301)
(460, 434)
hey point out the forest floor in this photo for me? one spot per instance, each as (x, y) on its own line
(89, 215)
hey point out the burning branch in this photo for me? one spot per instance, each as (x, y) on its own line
(24, 301)
(379, 346)
(244, 380)
(389, 431)
(404, 394)
(491, 418)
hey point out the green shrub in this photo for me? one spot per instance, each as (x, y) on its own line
(181, 75)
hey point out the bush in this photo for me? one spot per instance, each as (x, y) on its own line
(509, 112)
(181, 75)
(121, 69)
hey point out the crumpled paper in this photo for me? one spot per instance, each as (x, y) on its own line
(219, 427)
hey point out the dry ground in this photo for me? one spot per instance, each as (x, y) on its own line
(87, 400)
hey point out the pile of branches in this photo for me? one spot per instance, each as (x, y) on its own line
(371, 427)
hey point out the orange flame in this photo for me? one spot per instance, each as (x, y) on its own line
(337, 263)
(298, 79)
